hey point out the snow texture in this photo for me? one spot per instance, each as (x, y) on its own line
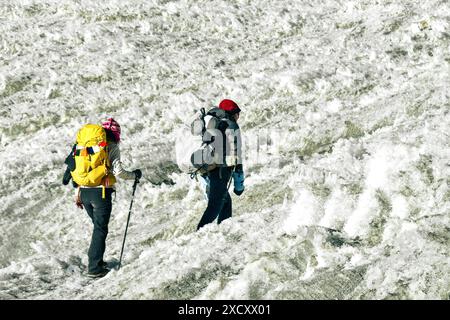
(346, 129)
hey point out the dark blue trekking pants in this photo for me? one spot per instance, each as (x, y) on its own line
(99, 210)
(219, 200)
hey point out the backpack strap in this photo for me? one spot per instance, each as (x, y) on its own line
(203, 115)
(106, 182)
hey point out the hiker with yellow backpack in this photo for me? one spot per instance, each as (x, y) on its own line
(94, 164)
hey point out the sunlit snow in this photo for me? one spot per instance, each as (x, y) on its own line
(346, 128)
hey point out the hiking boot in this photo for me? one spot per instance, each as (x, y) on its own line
(98, 274)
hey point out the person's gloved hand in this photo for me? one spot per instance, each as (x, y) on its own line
(138, 174)
(66, 177)
(238, 178)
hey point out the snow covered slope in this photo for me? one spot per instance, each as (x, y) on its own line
(346, 122)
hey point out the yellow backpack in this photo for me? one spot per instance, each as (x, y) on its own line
(91, 158)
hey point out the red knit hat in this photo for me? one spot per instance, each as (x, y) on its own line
(229, 106)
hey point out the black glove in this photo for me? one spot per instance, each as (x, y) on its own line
(67, 176)
(138, 173)
(70, 161)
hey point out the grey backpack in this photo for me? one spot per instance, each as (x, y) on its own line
(211, 127)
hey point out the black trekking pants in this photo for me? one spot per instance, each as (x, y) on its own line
(219, 200)
(99, 210)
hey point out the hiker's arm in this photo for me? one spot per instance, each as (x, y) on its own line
(238, 174)
(239, 167)
(116, 165)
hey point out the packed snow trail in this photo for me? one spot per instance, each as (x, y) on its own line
(346, 122)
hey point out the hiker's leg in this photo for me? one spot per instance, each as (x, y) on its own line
(101, 215)
(216, 197)
(86, 200)
(226, 209)
(219, 179)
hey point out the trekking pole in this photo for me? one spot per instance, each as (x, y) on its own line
(231, 178)
(136, 181)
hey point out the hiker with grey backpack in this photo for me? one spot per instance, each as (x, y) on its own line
(219, 161)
